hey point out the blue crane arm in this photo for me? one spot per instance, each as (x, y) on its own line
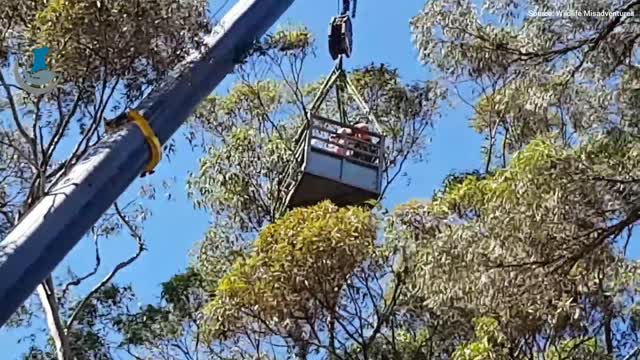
(48, 232)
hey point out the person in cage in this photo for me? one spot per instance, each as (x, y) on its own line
(341, 142)
(364, 143)
(332, 146)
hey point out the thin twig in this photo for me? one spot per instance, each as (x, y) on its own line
(79, 280)
(141, 248)
(14, 110)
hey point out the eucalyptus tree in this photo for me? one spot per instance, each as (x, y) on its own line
(100, 72)
(243, 182)
(535, 244)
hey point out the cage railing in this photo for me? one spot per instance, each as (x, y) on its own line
(368, 152)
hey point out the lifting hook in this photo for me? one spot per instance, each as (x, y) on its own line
(340, 31)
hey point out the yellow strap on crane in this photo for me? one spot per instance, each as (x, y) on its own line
(152, 140)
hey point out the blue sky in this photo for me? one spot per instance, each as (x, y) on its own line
(381, 35)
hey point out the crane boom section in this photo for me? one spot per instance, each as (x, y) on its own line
(48, 232)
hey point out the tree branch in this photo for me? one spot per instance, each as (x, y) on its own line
(63, 124)
(116, 269)
(46, 292)
(611, 232)
(14, 110)
(79, 280)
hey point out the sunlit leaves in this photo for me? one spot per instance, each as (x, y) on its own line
(151, 38)
(292, 40)
(298, 268)
(15, 16)
(527, 242)
(246, 104)
(243, 179)
(528, 74)
(535, 240)
(488, 343)
(580, 348)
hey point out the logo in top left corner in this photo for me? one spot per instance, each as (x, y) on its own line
(38, 80)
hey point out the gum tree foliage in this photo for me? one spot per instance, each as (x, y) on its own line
(320, 282)
(292, 283)
(171, 328)
(242, 179)
(524, 246)
(524, 259)
(243, 183)
(107, 55)
(534, 74)
(113, 324)
(93, 326)
(490, 343)
(247, 132)
(534, 245)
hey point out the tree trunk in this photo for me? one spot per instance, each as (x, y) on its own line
(332, 337)
(608, 331)
(46, 293)
(300, 343)
(302, 349)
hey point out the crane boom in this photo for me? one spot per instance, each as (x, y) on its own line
(48, 232)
